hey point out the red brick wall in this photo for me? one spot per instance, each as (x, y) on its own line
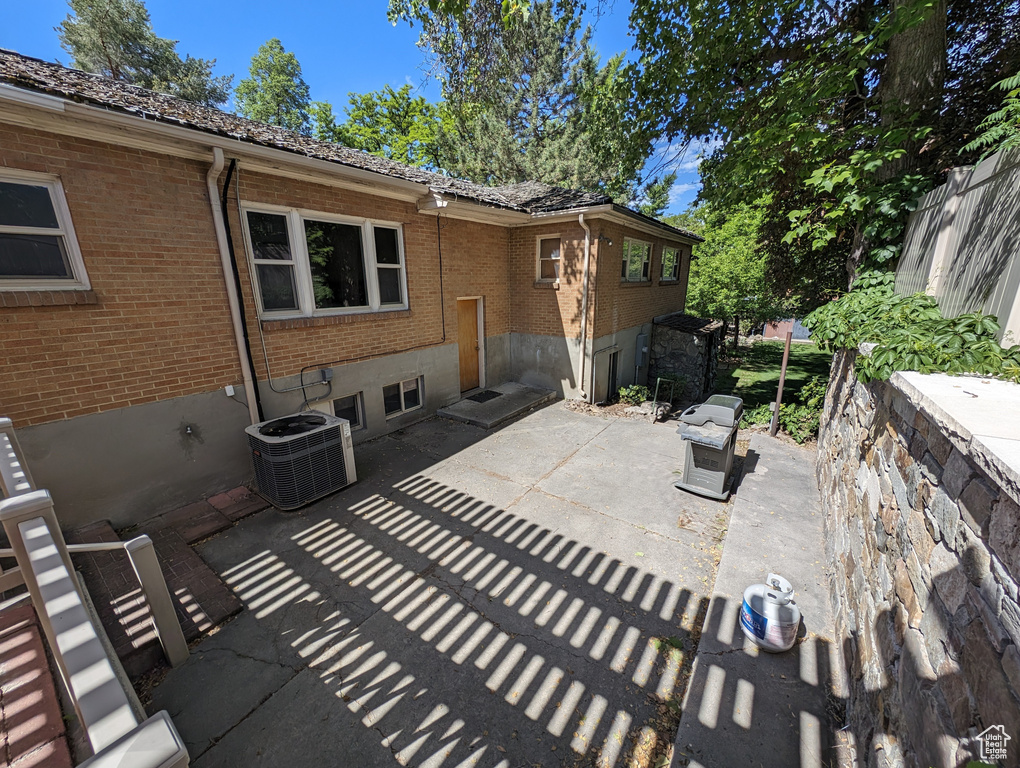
(159, 328)
(474, 263)
(536, 308)
(625, 305)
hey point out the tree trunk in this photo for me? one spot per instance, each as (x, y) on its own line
(910, 91)
(736, 333)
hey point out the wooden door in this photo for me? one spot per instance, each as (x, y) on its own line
(467, 340)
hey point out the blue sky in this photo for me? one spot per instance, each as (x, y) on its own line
(342, 45)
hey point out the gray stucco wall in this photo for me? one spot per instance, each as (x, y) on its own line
(132, 463)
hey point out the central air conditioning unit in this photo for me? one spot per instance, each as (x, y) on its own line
(300, 458)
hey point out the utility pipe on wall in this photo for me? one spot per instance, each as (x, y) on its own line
(583, 353)
(211, 179)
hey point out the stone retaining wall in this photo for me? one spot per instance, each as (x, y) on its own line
(923, 547)
(688, 350)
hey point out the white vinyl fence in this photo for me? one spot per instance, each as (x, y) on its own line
(963, 244)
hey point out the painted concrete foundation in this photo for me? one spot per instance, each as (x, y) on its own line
(632, 362)
(132, 463)
(438, 367)
(551, 362)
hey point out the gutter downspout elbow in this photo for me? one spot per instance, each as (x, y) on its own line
(211, 179)
(583, 352)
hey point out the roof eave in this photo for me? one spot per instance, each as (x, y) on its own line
(619, 214)
(444, 204)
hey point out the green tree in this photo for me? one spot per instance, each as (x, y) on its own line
(275, 92)
(323, 120)
(729, 278)
(115, 38)
(394, 124)
(530, 99)
(1001, 129)
(845, 111)
(655, 196)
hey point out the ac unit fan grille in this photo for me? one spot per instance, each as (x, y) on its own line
(301, 469)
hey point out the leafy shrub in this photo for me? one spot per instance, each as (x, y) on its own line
(910, 333)
(635, 394)
(800, 419)
(760, 414)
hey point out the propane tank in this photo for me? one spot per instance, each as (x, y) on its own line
(769, 616)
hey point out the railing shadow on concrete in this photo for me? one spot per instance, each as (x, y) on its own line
(597, 674)
(731, 721)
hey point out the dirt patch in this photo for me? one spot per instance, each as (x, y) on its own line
(614, 410)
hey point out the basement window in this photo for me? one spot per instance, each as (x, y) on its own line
(349, 407)
(402, 397)
(38, 249)
(637, 258)
(309, 264)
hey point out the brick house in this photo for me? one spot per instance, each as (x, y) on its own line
(170, 273)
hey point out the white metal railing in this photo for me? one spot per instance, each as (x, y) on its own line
(14, 475)
(86, 670)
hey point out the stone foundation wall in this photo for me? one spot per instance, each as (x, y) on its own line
(694, 356)
(923, 547)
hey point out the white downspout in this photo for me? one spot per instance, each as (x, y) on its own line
(583, 353)
(211, 179)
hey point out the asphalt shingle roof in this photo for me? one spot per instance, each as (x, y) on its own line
(86, 88)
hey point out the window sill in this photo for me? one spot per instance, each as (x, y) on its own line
(58, 298)
(669, 282)
(398, 414)
(274, 324)
(551, 285)
(635, 283)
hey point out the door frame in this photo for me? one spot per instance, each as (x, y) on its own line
(480, 305)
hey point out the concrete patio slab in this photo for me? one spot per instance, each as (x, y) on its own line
(746, 707)
(626, 455)
(513, 400)
(448, 610)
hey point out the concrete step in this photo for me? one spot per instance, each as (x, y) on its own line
(513, 400)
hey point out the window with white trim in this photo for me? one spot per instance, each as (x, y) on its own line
(349, 407)
(38, 249)
(311, 263)
(670, 264)
(402, 397)
(637, 259)
(549, 258)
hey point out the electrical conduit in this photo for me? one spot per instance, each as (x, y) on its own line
(211, 179)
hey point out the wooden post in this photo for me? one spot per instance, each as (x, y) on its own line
(782, 379)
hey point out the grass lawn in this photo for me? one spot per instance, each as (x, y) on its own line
(753, 372)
